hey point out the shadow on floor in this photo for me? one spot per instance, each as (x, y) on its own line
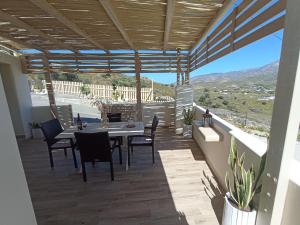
(167, 193)
(215, 194)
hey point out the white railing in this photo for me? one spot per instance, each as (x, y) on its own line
(101, 91)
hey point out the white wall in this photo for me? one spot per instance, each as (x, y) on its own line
(291, 211)
(17, 92)
(216, 153)
(164, 110)
(15, 203)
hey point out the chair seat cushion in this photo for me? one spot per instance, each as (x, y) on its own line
(61, 144)
(141, 140)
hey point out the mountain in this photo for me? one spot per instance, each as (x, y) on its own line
(265, 76)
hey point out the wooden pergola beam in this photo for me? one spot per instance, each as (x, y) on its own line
(108, 9)
(219, 15)
(20, 23)
(138, 87)
(44, 5)
(19, 42)
(168, 21)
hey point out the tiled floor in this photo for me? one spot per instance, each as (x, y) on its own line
(178, 189)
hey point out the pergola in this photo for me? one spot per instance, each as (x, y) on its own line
(136, 36)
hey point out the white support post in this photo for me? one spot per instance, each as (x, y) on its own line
(285, 123)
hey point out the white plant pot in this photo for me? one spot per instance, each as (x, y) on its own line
(37, 133)
(187, 131)
(234, 216)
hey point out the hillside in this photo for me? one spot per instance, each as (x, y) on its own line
(118, 79)
(264, 76)
(243, 97)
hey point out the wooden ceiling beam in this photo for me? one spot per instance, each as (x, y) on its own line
(168, 21)
(20, 23)
(108, 9)
(20, 43)
(44, 5)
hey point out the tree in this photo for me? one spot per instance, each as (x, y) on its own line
(85, 90)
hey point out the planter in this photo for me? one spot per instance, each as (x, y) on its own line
(187, 131)
(37, 133)
(235, 216)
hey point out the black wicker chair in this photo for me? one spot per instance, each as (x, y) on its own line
(50, 130)
(143, 140)
(94, 147)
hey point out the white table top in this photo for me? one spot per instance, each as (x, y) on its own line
(114, 129)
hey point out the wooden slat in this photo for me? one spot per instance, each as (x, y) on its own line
(44, 5)
(110, 12)
(20, 23)
(168, 21)
(19, 42)
(270, 28)
(261, 32)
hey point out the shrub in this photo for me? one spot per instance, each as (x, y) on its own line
(225, 102)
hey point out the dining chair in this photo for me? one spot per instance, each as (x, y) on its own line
(94, 147)
(143, 140)
(118, 141)
(50, 130)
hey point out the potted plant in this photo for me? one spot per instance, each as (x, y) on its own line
(36, 130)
(243, 185)
(188, 116)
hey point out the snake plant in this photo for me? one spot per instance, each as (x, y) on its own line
(245, 182)
(188, 116)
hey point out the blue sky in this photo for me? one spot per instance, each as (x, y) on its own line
(257, 54)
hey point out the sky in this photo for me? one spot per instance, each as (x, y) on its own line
(254, 55)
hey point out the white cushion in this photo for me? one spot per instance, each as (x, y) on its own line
(209, 134)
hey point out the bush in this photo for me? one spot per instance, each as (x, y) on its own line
(225, 102)
(206, 90)
(220, 97)
(202, 99)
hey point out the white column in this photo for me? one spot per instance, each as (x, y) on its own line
(15, 203)
(285, 122)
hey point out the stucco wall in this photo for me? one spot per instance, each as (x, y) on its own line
(17, 92)
(164, 110)
(216, 153)
(15, 203)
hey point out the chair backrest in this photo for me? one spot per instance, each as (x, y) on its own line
(114, 117)
(155, 122)
(50, 130)
(93, 146)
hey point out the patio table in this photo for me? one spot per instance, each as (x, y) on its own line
(115, 129)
